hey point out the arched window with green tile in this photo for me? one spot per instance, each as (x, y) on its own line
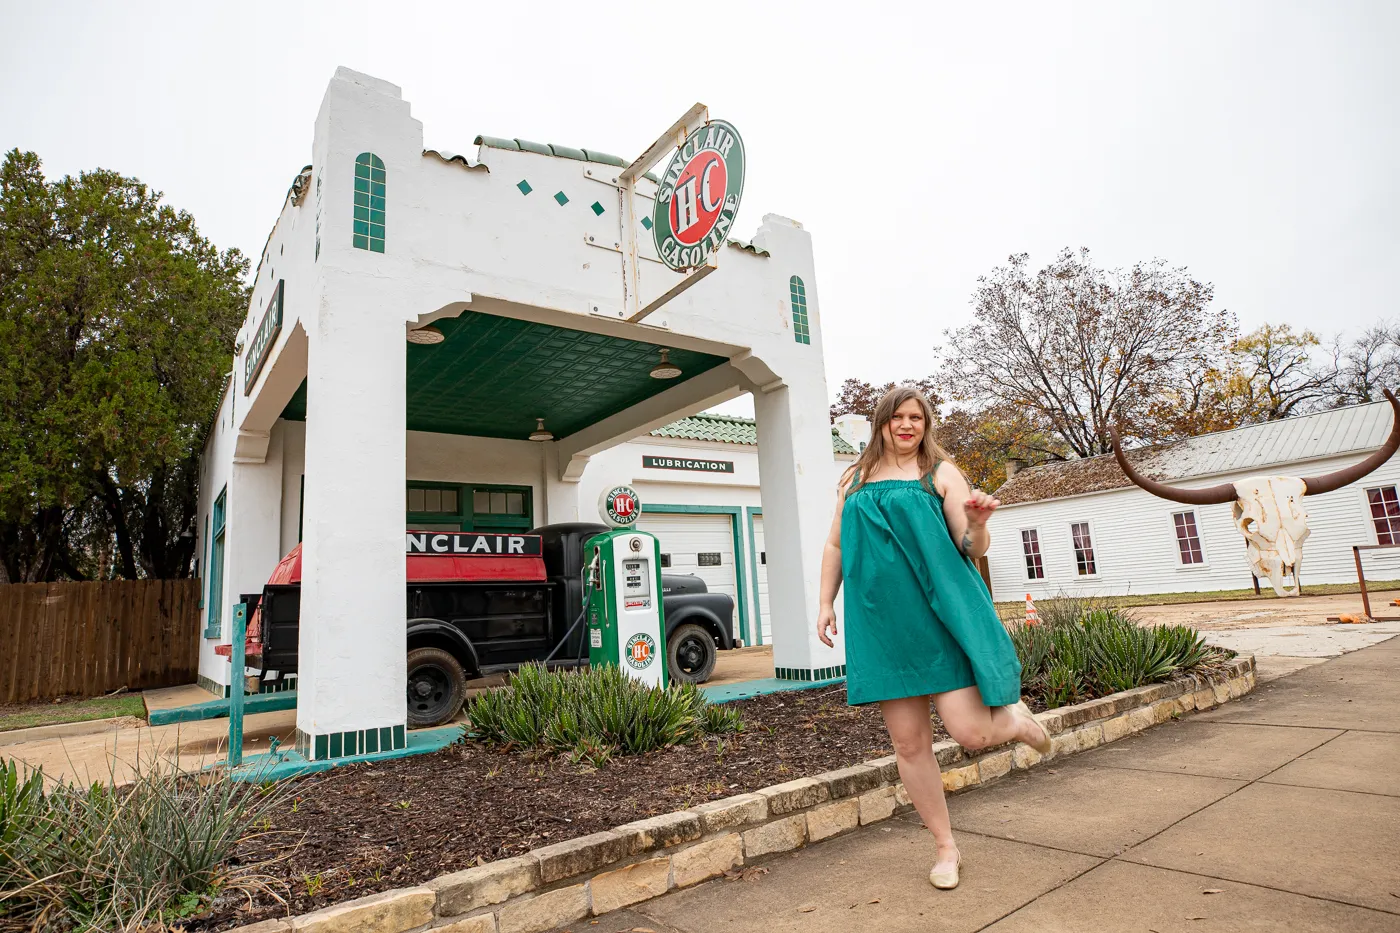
(801, 330)
(369, 202)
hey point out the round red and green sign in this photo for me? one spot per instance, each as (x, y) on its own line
(640, 651)
(699, 196)
(621, 506)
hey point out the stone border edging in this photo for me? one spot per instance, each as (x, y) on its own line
(593, 875)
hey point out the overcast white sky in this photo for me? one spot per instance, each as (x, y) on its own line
(920, 143)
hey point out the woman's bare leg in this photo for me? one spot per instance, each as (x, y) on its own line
(973, 724)
(911, 733)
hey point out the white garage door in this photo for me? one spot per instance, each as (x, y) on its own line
(761, 555)
(698, 544)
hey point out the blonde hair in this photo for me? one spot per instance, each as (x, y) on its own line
(930, 451)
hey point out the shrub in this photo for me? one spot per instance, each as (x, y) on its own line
(593, 713)
(1069, 658)
(123, 858)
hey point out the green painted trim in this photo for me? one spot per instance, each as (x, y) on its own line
(218, 709)
(466, 517)
(282, 685)
(288, 763)
(748, 689)
(734, 512)
(749, 513)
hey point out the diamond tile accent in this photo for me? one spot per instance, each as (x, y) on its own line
(646, 222)
(524, 186)
(562, 198)
(597, 208)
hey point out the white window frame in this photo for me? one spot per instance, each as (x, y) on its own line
(1093, 546)
(1370, 520)
(1040, 543)
(1176, 547)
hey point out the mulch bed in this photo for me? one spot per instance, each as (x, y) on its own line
(359, 829)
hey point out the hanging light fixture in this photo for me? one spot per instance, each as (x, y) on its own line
(665, 369)
(541, 433)
(426, 335)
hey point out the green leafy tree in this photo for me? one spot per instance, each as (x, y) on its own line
(117, 322)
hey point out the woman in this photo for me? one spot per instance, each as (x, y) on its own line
(919, 622)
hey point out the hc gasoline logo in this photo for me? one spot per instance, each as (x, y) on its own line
(640, 651)
(623, 506)
(699, 196)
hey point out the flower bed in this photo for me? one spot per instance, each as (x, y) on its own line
(561, 882)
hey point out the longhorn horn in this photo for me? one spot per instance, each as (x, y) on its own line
(1210, 495)
(1314, 486)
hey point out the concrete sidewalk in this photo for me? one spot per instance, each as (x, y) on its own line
(1280, 811)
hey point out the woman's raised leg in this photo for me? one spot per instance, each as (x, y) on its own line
(911, 733)
(973, 724)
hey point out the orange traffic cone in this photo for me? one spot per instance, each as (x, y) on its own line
(1032, 617)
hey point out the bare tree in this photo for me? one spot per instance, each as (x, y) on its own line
(1079, 348)
(1367, 365)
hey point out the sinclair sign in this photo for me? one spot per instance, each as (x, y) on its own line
(699, 196)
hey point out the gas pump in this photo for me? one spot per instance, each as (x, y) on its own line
(623, 583)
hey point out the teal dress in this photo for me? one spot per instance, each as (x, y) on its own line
(918, 618)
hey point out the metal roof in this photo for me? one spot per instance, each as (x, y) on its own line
(1355, 429)
(729, 429)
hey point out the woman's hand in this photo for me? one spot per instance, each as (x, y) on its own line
(826, 625)
(979, 507)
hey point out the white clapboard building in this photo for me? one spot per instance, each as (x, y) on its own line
(1079, 527)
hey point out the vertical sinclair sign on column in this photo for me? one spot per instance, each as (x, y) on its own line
(698, 196)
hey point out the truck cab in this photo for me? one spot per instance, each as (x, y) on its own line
(471, 616)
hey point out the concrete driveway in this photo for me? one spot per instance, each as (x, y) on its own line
(1278, 812)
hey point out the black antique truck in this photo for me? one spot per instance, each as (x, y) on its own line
(480, 604)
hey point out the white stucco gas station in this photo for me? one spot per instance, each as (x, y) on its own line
(489, 324)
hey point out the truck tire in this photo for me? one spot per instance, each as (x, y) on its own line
(436, 687)
(690, 654)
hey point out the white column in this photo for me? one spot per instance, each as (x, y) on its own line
(352, 677)
(795, 480)
(351, 655)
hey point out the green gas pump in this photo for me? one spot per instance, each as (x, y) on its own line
(623, 580)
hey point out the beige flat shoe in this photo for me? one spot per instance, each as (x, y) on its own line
(946, 880)
(1043, 746)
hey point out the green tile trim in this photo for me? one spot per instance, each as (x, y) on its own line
(223, 691)
(810, 675)
(646, 222)
(350, 743)
(597, 208)
(524, 186)
(735, 513)
(561, 197)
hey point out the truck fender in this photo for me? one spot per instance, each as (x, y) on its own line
(698, 615)
(435, 633)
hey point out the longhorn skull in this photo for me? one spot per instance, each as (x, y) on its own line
(1268, 510)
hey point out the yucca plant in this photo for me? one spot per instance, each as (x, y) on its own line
(125, 858)
(592, 714)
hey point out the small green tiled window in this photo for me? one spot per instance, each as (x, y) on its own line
(369, 202)
(801, 330)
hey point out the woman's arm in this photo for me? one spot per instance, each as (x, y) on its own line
(966, 511)
(831, 573)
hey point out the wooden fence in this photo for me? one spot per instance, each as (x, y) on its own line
(87, 639)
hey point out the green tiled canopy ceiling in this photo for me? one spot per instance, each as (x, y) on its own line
(493, 376)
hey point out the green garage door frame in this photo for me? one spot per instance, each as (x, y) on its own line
(740, 582)
(749, 513)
